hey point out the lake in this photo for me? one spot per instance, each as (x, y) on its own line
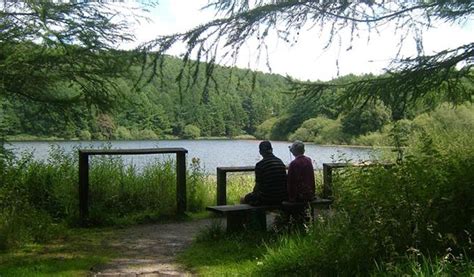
(212, 153)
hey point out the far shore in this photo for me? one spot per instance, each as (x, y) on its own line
(244, 137)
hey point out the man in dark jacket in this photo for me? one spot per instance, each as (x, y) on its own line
(270, 179)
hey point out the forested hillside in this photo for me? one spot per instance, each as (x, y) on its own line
(178, 103)
(233, 102)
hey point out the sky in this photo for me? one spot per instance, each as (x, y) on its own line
(305, 60)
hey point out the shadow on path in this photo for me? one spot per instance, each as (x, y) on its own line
(150, 250)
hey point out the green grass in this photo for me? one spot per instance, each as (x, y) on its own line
(74, 254)
(214, 253)
(329, 247)
(411, 219)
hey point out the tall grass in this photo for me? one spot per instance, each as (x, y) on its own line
(38, 199)
(413, 218)
(382, 215)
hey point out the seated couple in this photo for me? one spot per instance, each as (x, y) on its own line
(273, 185)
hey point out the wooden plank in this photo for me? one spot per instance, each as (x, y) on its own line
(240, 207)
(132, 151)
(223, 209)
(321, 201)
(237, 168)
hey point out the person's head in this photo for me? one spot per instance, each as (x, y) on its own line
(265, 147)
(297, 148)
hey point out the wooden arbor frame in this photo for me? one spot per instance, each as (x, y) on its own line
(84, 174)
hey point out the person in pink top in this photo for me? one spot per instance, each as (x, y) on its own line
(300, 187)
(300, 180)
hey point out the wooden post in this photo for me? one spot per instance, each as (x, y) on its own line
(221, 187)
(83, 187)
(327, 181)
(181, 182)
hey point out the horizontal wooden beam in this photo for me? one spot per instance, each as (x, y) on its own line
(236, 168)
(132, 151)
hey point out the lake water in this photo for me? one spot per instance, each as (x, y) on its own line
(212, 153)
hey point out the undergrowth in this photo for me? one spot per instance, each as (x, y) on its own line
(39, 199)
(414, 217)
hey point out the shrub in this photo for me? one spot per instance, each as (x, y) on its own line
(384, 214)
(191, 132)
(246, 137)
(373, 139)
(363, 120)
(320, 130)
(147, 134)
(85, 135)
(123, 133)
(302, 134)
(264, 130)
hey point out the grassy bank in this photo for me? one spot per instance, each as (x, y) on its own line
(413, 218)
(73, 253)
(39, 199)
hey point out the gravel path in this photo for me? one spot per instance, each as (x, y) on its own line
(150, 250)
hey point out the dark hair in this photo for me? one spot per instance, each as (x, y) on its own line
(265, 147)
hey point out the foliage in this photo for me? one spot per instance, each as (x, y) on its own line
(217, 254)
(417, 264)
(62, 52)
(158, 110)
(264, 130)
(320, 130)
(200, 191)
(191, 132)
(74, 253)
(39, 199)
(361, 121)
(379, 138)
(447, 73)
(413, 217)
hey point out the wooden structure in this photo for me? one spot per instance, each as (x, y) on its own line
(84, 173)
(327, 177)
(222, 179)
(240, 216)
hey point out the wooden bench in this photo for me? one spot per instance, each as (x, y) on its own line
(244, 216)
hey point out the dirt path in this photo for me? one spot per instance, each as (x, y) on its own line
(150, 250)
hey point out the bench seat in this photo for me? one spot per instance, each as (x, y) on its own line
(242, 215)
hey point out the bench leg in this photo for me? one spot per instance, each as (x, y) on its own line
(235, 221)
(258, 220)
(316, 210)
(238, 221)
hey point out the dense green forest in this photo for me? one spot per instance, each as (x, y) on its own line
(231, 103)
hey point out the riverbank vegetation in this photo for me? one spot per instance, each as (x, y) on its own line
(414, 217)
(39, 199)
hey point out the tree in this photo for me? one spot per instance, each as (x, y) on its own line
(47, 47)
(410, 79)
(191, 132)
(359, 122)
